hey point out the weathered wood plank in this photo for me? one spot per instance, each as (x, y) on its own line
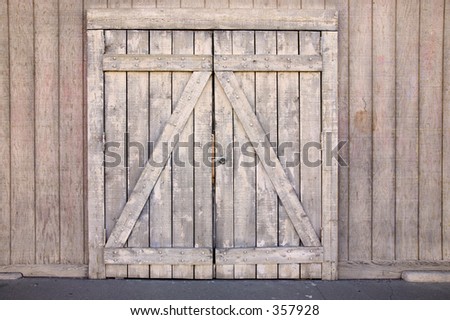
(244, 175)
(168, 3)
(22, 117)
(161, 195)
(330, 166)
(140, 62)
(115, 127)
(192, 4)
(71, 132)
(10, 275)
(360, 134)
(265, 4)
(203, 214)
(241, 4)
(119, 3)
(446, 139)
(387, 269)
(268, 62)
(183, 171)
(313, 4)
(383, 174)
(310, 133)
(47, 132)
(289, 4)
(277, 175)
(223, 174)
(48, 270)
(288, 132)
(5, 147)
(144, 3)
(95, 174)
(266, 197)
(430, 130)
(217, 3)
(210, 19)
(407, 124)
(159, 256)
(269, 255)
(137, 141)
(343, 84)
(159, 157)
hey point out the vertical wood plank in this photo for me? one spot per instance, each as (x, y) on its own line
(313, 4)
(288, 132)
(192, 3)
(119, 3)
(241, 4)
(343, 73)
(264, 4)
(310, 132)
(203, 173)
(168, 3)
(5, 147)
(47, 132)
(430, 130)
(286, 4)
(266, 197)
(183, 171)
(329, 166)
(360, 119)
(160, 111)
(87, 4)
(446, 138)
(223, 115)
(21, 35)
(95, 173)
(244, 175)
(216, 4)
(144, 3)
(383, 174)
(407, 124)
(137, 144)
(71, 131)
(115, 128)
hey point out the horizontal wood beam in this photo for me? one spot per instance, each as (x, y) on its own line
(48, 270)
(262, 62)
(272, 255)
(186, 256)
(386, 269)
(141, 62)
(212, 19)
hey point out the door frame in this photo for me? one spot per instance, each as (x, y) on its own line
(99, 20)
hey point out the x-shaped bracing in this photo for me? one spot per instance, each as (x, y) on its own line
(256, 135)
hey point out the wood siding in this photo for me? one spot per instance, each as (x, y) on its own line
(394, 111)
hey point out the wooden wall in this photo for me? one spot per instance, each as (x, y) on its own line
(394, 209)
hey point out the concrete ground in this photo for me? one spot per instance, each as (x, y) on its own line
(44, 288)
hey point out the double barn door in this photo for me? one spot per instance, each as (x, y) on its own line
(207, 153)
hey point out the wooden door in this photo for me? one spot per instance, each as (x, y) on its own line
(271, 187)
(195, 150)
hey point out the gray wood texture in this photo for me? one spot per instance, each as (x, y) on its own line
(115, 125)
(5, 139)
(260, 19)
(137, 144)
(269, 255)
(150, 174)
(95, 174)
(268, 62)
(159, 256)
(140, 62)
(288, 132)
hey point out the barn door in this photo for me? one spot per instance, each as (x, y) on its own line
(209, 150)
(270, 184)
